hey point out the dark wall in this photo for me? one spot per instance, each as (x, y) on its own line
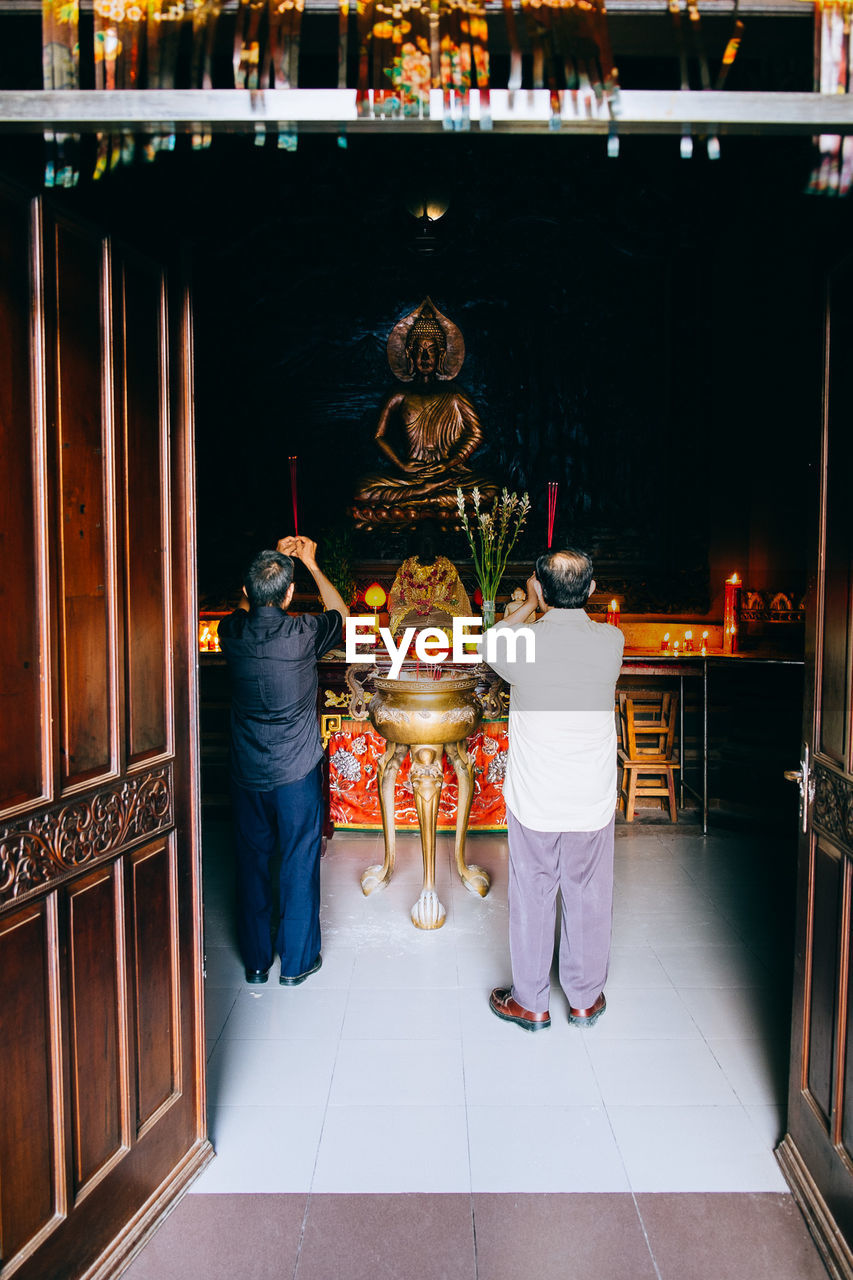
(644, 330)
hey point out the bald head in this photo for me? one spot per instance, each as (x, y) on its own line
(565, 578)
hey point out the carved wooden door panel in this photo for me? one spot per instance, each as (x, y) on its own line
(101, 1041)
(817, 1153)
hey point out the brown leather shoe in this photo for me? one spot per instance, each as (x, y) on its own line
(587, 1017)
(503, 1006)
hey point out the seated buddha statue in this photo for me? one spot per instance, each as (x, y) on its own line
(436, 421)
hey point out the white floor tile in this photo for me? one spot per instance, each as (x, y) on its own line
(756, 1070)
(428, 961)
(481, 966)
(262, 1149)
(708, 1148)
(223, 967)
(529, 1070)
(387, 1148)
(769, 1120)
(336, 971)
(661, 1073)
(287, 1013)
(271, 1072)
(547, 1148)
(696, 927)
(386, 1015)
(636, 966)
(218, 1003)
(731, 1012)
(719, 966)
(398, 1073)
(631, 1014)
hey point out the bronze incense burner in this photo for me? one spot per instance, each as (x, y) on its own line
(426, 717)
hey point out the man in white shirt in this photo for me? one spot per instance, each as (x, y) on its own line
(560, 794)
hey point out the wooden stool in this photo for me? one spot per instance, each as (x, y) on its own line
(647, 722)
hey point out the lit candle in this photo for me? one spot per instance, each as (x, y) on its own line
(204, 637)
(375, 597)
(664, 644)
(688, 642)
(613, 613)
(675, 648)
(730, 613)
(704, 642)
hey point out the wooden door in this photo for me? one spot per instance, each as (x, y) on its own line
(817, 1152)
(101, 1037)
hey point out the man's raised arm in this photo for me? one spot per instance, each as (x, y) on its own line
(304, 549)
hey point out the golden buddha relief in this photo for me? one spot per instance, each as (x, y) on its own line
(437, 422)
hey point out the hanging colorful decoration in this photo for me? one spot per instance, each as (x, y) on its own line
(136, 45)
(407, 49)
(832, 174)
(571, 53)
(266, 52)
(61, 70)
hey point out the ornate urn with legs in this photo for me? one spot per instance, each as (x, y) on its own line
(425, 717)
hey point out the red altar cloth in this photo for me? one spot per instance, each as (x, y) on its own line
(354, 754)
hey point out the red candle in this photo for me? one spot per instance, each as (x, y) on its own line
(664, 644)
(730, 614)
(613, 613)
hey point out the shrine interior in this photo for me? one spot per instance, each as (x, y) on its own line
(645, 331)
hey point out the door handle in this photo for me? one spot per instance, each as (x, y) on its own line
(806, 784)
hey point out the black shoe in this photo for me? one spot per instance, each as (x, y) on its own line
(300, 977)
(257, 976)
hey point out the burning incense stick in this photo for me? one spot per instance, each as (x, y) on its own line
(293, 493)
(552, 509)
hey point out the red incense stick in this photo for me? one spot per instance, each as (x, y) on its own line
(293, 493)
(552, 509)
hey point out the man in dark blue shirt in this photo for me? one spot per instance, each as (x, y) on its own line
(276, 755)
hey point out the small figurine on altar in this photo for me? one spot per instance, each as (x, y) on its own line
(517, 601)
(427, 590)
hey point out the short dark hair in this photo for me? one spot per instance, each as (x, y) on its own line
(268, 578)
(565, 578)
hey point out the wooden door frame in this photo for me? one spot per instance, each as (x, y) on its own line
(803, 1155)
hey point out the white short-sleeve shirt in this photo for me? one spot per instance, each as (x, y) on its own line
(561, 765)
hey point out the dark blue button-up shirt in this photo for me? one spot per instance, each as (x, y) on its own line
(272, 658)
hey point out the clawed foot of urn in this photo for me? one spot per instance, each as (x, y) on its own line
(428, 913)
(477, 880)
(374, 878)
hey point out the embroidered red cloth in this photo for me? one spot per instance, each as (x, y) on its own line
(354, 755)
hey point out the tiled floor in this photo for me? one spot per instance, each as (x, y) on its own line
(391, 1048)
(385, 1082)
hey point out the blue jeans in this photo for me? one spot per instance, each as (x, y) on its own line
(289, 819)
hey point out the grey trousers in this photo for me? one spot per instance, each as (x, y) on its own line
(580, 865)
